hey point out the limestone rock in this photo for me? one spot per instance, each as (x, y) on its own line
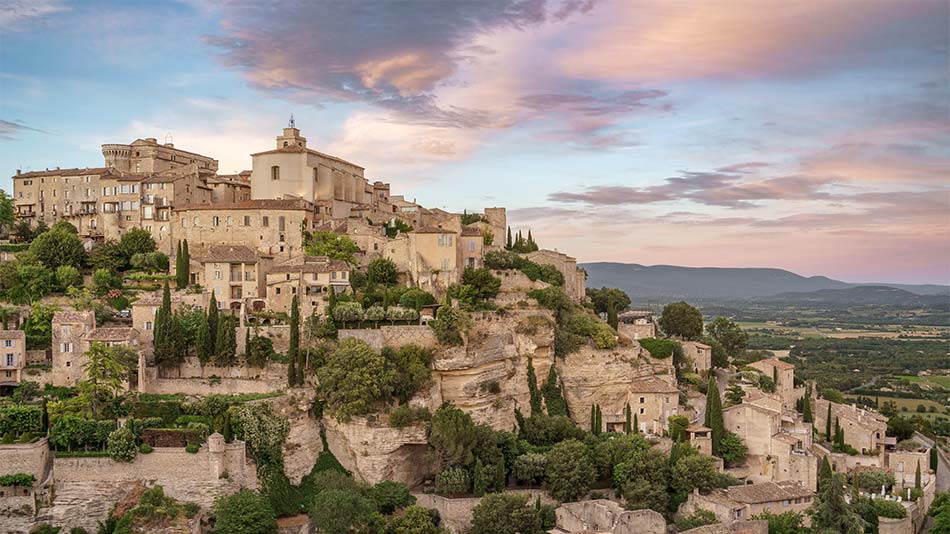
(374, 453)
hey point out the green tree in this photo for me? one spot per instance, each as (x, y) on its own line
(106, 255)
(204, 341)
(806, 410)
(414, 520)
(917, 476)
(453, 437)
(292, 375)
(830, 511)
(713, 418)
(934, 463)
(824, 472)
(408, 370)
(727, 332)
(210, 346)
(612, 319)
(181, 266)
(332, 245)
(7, 212)
(693, 471)
(343, 512)
(627, 424)
(166, 336)
(390, 496)
(225, 343)
(784, 523)
(720, 358)
(382, 271)
(121, 445)
(58, 247)
(106, 369)
(244, 512)
(699, 518)
(828, 424)
(533, 392)
(353, 379)
(505, 513)
(508, 242)
(553, 398)
(68, 276)
(602, 299)
(136, 241)
(682, 320)
(731, 448)
(569, 471)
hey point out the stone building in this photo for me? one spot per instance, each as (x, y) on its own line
(784, 375)
(428, 255)
(636, 324)
(12, 357)
(575, 278)
(72, 334)
(470, 248)
(310, 277)
(698, 353)
(653, 399)
(50, 195)
(271, 227)
(737, 503)
(230, 188)
(863, 429)
(147, 156)
(232, 273)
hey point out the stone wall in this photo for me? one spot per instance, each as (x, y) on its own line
(40, 375)
(895, 526)
(456, 514)
(393, 336)
(28, 458)
(278, 334)
(191, 378)
(607, 516)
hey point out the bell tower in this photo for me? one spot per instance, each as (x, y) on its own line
(291, 136)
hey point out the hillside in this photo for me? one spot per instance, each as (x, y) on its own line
(862, 296)
(666, 282)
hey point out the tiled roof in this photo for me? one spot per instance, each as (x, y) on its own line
(767, 492)
(291, 149)
(696, 344)
(73, 317)
(652, 384)
(775, 362)
(112, 334)
(154, 300)
(311, 267)
(755, 407)
(431, 230)
(12, 334)
(259, 204)
(229, 253)
(471, 231)
(547, 252)
(66, 172)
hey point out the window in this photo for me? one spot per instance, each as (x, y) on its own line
(642, 411)
(217, 275)
(10, 360)
(247, 220)
(445, 240)
(68, 364)
(642, 399)
(277, 291)
(275, 173)
(215, 220)
(471, 245)
(265, 221)
(7, 342)
(230, 220)
(293, 290)
(195, 221)
(333, 275)
(314, 174)
(66, 347)
(183, 222)
(445, 264)
(280, 224)
(148, 325)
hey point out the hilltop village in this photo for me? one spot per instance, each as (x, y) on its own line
(295, 349)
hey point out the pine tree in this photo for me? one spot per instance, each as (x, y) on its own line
(292, 374)
(714, 414)
(636, 424)
(828, 424)
(806, 411)
(535, 395)
(626, 419)
(212, 341)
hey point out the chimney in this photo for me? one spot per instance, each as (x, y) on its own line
(18, 172)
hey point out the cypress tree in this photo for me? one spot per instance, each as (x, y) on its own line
(824, 472)
(44, 419)
(228, 432)
(292, 374)
(917, 476)
(551, 391)
(806, 411)
(533, 391)
(226, 343)
(593, 419)
(626, 419)
(186, 261)
(178, 269)
(205, 341)
(163, 343)
(212, 343)
(933, 459)
(508, 243)
(714, 414)
(828, 424)
(636, 424)
(600, 421)
(612, 319)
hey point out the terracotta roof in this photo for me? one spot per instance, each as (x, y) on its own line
(311, 267)
(162, 179)
(431, 230)
(471, 231)
(696, 344)
(66, 172)
(652, 384)
(229, 253)
(291, 149)
(756, 407)
(12, 334)
(112, 334)
(73, 317)
(767, 492)
(269, 204)
(154, 300)
(775, 362)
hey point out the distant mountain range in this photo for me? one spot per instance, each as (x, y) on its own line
(668, 282)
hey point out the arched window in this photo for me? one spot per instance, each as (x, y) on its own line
(275, 173)
(285, 143)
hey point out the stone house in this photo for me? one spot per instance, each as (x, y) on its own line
(232, 272)
(12, 357)
(903, 465)
(698, 353)
(575, 278)
(653, 399)
(310, 277)
(470, 248)
(143, 315)
(783, 373)
(428, 255)
(636, 324)
(863, 429)
(72, 333)
(230, 188)
(737, 503)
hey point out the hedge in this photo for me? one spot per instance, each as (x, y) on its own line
(17, 479)
(658, 348)
(172, 437)
(19, 419)
(169, 412)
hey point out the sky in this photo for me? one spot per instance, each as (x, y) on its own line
(810, 136)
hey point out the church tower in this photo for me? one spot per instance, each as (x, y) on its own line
(291, 136)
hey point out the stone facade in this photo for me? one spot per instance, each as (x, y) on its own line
(12, 357)
(636, 324)
(575, 278)
(737, 503)
(311, 278)
(607, 517)
(784, 375)
(863, 429)
(698, 353)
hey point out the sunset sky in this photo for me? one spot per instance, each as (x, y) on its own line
(812, 136)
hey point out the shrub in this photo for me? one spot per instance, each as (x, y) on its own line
(453, 481)
(343, 512)
(353, 379)
(505, 513)
(68, 276)
(192, 448)
(529, 468)
(17, 479)
(889, 509)
(145, 448)
(657, 347)
(121, 445)
(405, 415)
(542, 430)
(410, 369)
(569, 471)
(104, 280)
(390, 496)
(871, 480)
(699, 518)
(244, 512)
(415, 298)
(449, 325)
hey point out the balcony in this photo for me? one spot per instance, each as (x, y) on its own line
(25, 214)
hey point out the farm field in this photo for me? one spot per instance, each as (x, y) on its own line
(936, 382)
(908, 407)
